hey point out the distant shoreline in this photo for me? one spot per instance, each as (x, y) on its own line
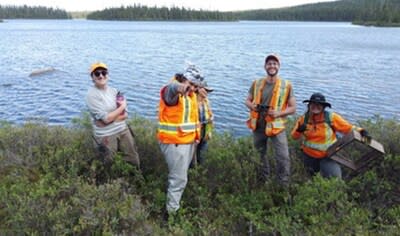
(376, 23)
(360, 23)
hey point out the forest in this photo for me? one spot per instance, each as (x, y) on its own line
(35, 12)
(371, 12)
(364, 12)
(375, 12)
(143, 13)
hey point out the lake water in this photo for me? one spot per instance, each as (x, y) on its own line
(357, 68)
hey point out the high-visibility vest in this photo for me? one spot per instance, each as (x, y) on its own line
(178, 124)
(279, 102)
(319, 135)
(208, 125)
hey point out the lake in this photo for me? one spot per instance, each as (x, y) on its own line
(357, 68)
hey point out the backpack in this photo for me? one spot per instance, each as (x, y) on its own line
(327, 120)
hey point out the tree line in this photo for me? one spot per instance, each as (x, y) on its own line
(36, 12)
(139, 12)
(375, 11)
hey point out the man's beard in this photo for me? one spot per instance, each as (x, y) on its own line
(272, 74)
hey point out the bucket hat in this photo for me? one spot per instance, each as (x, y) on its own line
(318, 98)
(194, 75)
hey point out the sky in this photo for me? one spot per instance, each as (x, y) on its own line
(220, 5)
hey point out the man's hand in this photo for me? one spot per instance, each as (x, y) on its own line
(274, 113)
(183, 88)
(202, 92)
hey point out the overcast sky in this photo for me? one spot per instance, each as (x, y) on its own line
(221, 5)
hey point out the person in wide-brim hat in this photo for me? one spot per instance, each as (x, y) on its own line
(318, 129)
(318, 98)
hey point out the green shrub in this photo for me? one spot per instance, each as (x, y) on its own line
(52, 183)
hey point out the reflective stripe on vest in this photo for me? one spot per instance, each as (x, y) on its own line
(179, 124)
(257, 93)
(208, 122)
(205, 106)
(329, 139)
(185, 125)
(174, 128)
(278, 102)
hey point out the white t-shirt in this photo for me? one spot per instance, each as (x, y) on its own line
(101, 102)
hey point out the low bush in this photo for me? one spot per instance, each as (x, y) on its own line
(52, 183)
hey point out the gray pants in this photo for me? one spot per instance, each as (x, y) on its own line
(123, 142)
(281, 152)
(178, 158)
(328, 167)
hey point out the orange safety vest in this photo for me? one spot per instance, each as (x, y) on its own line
(178, 124)
(279, 101)
(319, 135)
(208, 115)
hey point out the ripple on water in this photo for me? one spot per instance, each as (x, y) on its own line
(352, 66)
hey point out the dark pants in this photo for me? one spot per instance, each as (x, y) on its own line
(328, 167)
(281, 152)
(200, 151)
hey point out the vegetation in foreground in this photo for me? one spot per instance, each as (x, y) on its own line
(52, 183)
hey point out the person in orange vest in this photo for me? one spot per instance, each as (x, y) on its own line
(206, 117)
(179, 130)
(271, 100)
(319, 128)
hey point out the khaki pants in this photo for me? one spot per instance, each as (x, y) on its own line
(122, 142)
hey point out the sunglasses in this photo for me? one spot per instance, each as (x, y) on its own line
(100, 72)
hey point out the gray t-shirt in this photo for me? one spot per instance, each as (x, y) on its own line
(267, 91)
(101, 102)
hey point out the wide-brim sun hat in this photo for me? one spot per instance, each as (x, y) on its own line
(96, 66)
(318, 98)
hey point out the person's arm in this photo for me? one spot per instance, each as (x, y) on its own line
(116, 114)
(249, 100)
(296, 132)
(171, 92)
(101, 116)
(341, 125)
(249, 103)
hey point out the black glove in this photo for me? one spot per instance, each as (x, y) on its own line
(365, 133)
(301, 128)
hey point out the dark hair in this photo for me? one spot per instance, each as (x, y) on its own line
(179, 77)
(272, 58)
